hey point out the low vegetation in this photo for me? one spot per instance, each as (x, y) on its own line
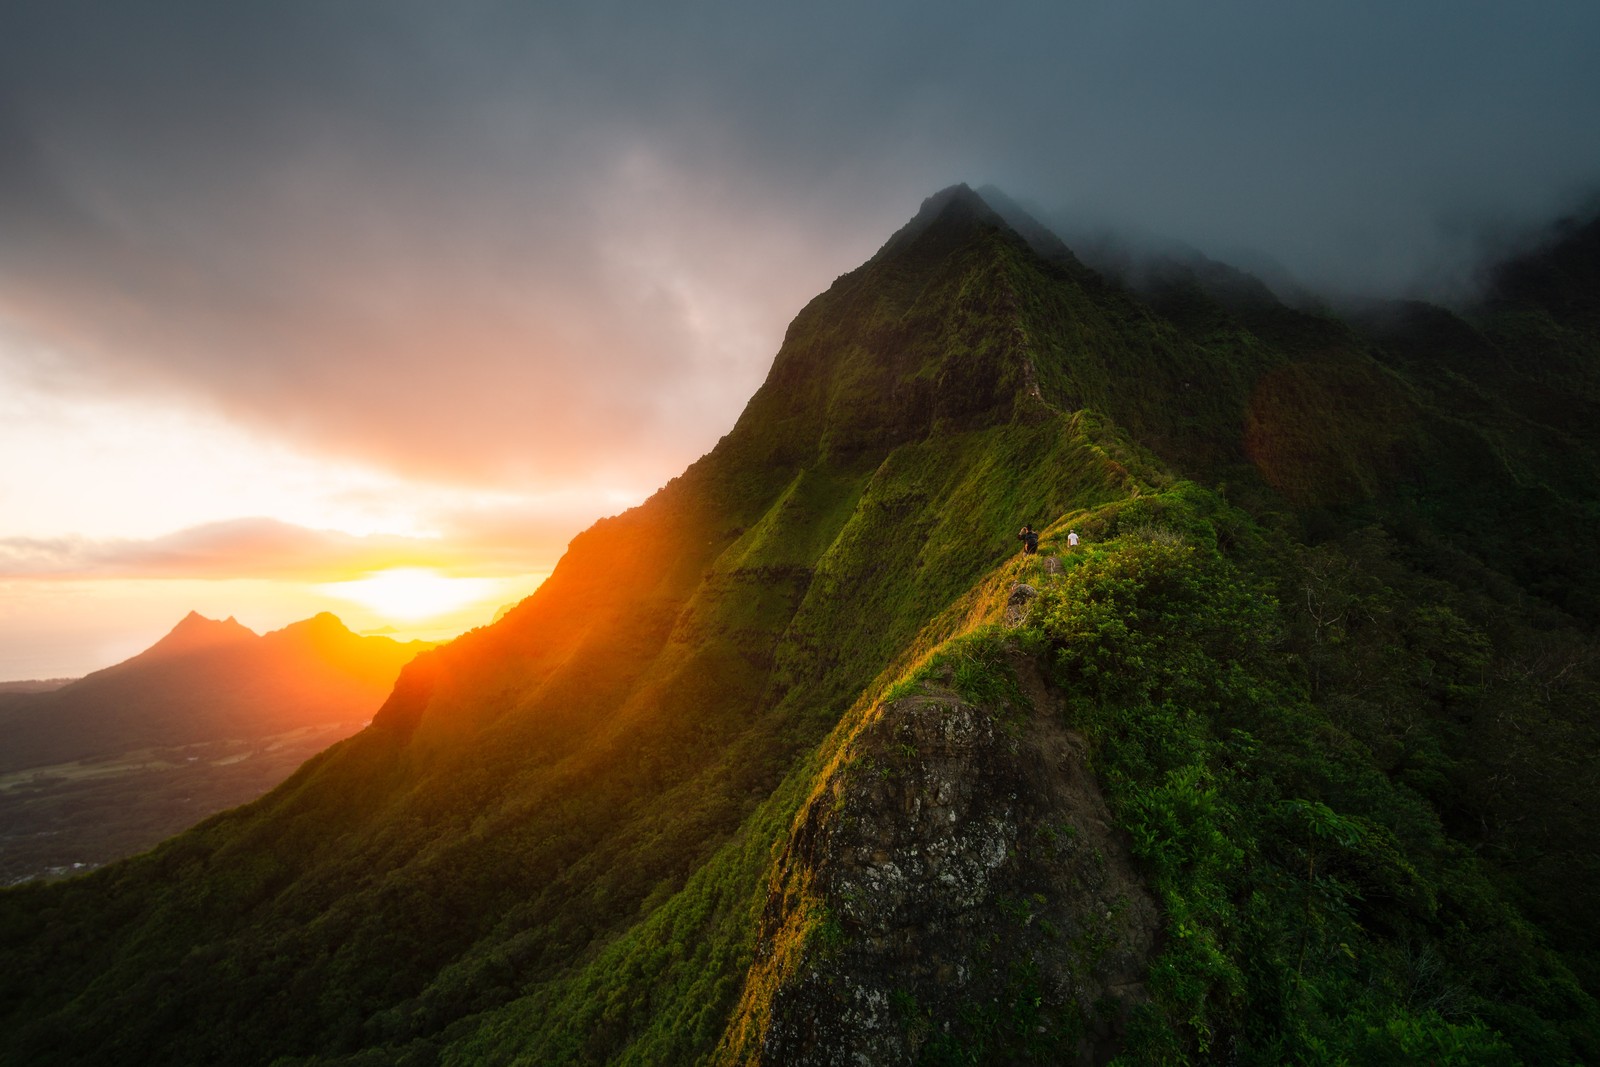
(1318, 907)
(1347, 734)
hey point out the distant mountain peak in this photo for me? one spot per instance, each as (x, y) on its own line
(323, 626)
(195, 632)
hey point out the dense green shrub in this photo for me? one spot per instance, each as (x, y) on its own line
(1316, 910)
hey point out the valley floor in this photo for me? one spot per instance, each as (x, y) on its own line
(69, 818)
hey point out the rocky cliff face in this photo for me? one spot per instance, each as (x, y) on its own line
(955, 888)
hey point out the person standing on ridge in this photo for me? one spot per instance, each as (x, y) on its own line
(1029, 539)
(1072, 538)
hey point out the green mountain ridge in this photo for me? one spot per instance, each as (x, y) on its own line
(799, 759)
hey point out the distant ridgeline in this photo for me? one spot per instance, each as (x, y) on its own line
(209, 717)
(205, 681)
(1290, 760)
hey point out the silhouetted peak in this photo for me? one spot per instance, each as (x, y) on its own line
(195, 625)
(324, 624)
(195, 632)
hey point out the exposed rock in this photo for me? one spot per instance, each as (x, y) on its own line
(957, 881)
(1018, 603)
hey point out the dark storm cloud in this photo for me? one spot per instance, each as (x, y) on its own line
(538, 241)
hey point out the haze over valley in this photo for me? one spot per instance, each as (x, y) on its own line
(209, 717)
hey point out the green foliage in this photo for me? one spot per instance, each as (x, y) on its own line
(976, 666)
(1350, 734)
(662, 992)
(1016, 1023)
(506, 860)
(1303, 888)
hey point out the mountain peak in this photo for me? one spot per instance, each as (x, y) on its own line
(954, 198)
(323, 626)
(952, 211)
(924, 335)
(195, 632)
(325, 620)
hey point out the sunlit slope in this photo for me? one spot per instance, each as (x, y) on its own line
(537, 782)
(1151, 805)
(1272, 888)
(557, 840)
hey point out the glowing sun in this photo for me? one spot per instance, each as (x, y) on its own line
(413, 594)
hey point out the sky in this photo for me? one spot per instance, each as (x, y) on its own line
(294, 294)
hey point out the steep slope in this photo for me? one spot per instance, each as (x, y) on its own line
(640, 818)
(1313, 905)
(543, 779)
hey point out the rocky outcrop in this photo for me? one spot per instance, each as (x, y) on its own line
(1018, 603)
(956, 889)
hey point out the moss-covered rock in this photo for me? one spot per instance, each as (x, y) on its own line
(955, 890)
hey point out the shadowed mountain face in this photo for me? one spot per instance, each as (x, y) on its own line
(799, 759)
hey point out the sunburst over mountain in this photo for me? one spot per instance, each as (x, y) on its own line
(1271, 752)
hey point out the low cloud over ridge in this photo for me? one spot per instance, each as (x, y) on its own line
(517, 246)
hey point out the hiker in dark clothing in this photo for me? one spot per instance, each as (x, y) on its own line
(1029, 539)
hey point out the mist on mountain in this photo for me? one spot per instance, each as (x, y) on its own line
(288, 213)
(1277, 749)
